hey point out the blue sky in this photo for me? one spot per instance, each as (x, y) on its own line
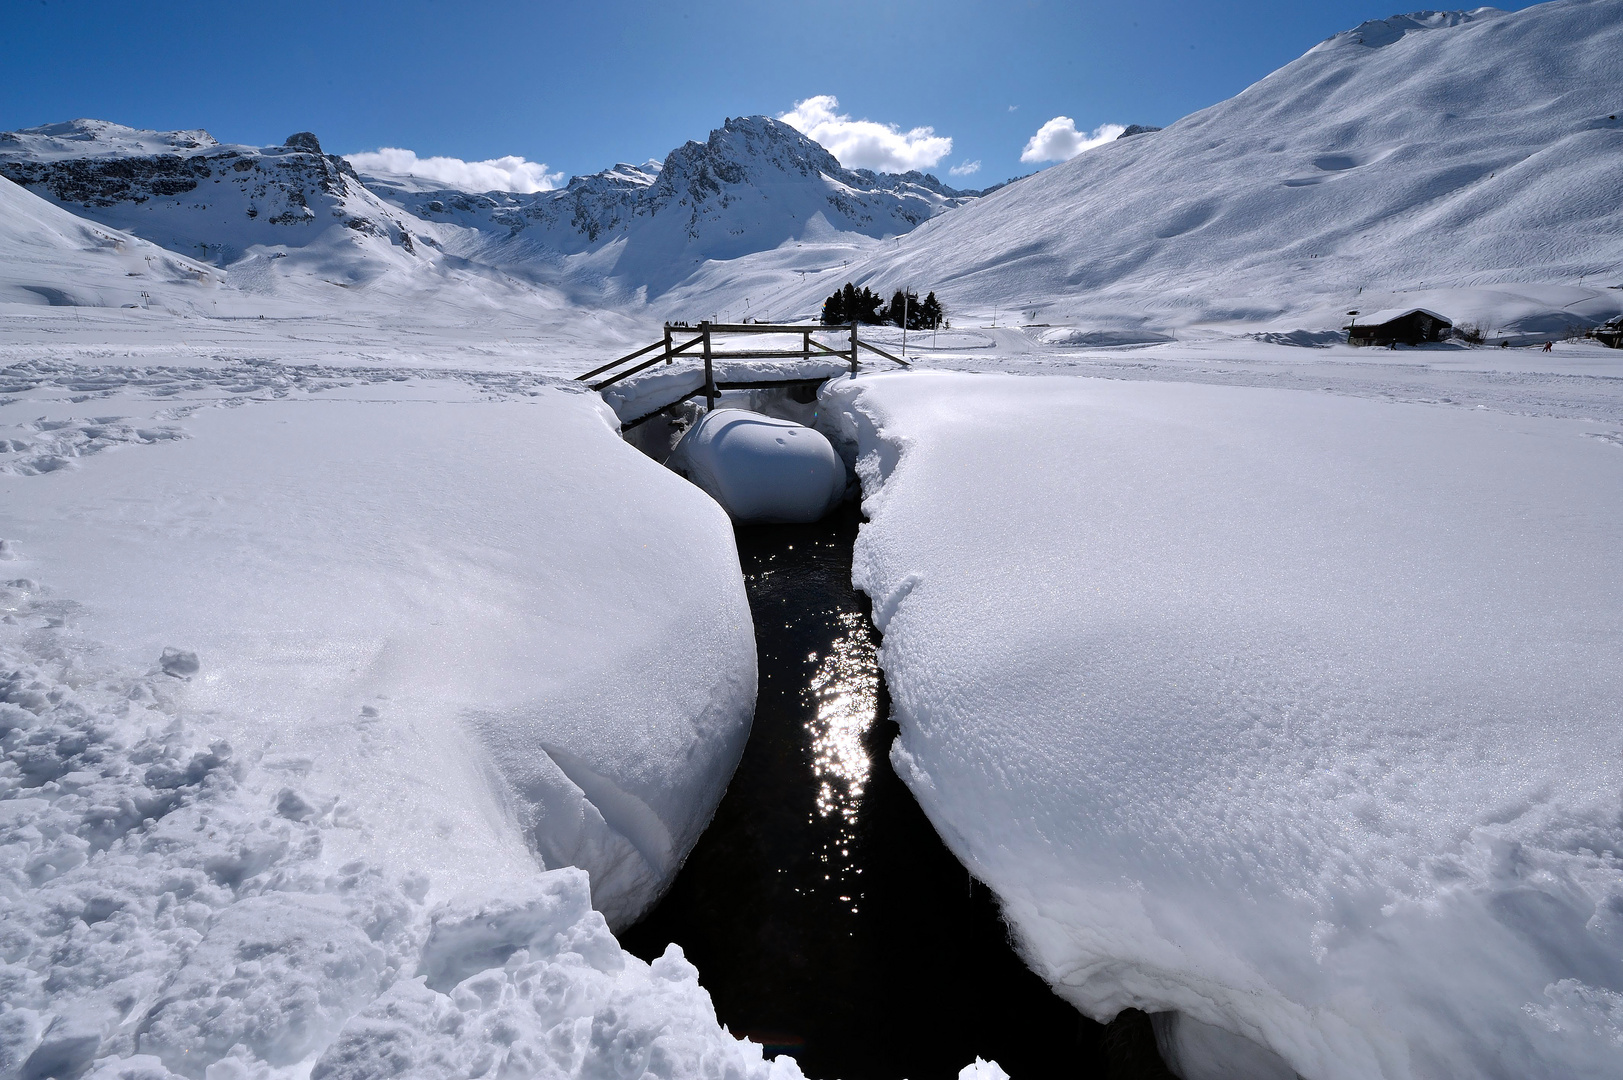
(579, 86)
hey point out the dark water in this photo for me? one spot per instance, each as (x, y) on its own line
(826, 918)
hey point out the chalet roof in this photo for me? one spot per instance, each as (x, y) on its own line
(1381, 318)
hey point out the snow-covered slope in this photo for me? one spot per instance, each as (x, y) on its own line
(1292, 713)
(753, 185)
(53, 257)
(1421, 153)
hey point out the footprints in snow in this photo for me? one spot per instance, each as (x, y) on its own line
(44, 446)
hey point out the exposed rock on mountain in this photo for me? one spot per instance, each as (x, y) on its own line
(568, 220)
(188, 192)
(754, 184)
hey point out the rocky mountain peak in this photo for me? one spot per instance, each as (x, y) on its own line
(188, 192)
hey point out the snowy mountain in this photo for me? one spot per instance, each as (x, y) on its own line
(55, 258)
(754, 184)
(1472, 160)
(568, 220)
(190, 193)
(291, 232)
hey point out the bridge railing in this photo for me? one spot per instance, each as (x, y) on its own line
(702, 338)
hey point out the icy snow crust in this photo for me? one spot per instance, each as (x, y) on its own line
(1293, 713)
(307, 678)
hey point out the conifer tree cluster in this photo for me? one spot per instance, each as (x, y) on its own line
(851, 304)
(863, 305)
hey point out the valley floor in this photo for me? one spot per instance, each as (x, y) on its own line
(406, 556)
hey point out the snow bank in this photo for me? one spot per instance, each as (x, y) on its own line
(299, 699)
(761, 469)
(1294, 714)
(561, 999)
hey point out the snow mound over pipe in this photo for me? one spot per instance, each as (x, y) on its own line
(761, 469)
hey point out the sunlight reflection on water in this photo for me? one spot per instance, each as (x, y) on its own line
(846, 689)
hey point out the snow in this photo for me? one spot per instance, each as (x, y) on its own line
(56, 259)
(1293, 713)
(753, 185)
(1380, 318)
(1469, 153)
(1270, 682)
(760, 469)
(307, 674)
(667, 384)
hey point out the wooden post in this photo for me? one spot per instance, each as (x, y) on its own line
(709, 372)
(853, 348)
(805, 345)
(667, 343)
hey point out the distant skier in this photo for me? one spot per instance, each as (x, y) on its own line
(1548, 345)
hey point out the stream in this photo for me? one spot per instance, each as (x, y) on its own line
(826, 918)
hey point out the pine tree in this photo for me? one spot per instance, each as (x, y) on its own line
(930, 313)
(852, 304)
(893, 314)
(834, 310)
(904, 305)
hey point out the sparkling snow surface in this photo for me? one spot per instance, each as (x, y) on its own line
(307, 675)
(1297, 714)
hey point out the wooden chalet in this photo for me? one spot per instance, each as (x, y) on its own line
(1609, 333)
(1406, 326)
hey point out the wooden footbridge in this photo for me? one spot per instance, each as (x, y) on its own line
(808, 366)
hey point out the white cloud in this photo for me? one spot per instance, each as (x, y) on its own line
(1012, 108)
(966, 168)
(1058, 140)
(497, 174)
(865, 144)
